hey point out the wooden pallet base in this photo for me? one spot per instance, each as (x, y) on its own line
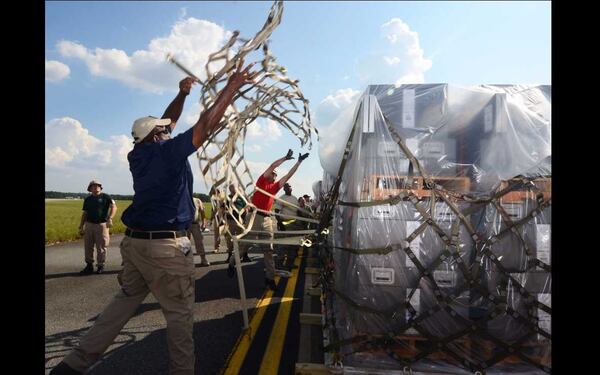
(537, 351)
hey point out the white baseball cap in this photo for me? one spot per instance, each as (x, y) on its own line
(94, 182)
(143, 126)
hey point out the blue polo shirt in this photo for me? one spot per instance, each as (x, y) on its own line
(162, 184)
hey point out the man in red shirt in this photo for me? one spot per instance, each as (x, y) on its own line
(263, 220)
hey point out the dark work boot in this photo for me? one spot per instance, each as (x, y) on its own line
(100, 269)
(270, 283)
(88, 270)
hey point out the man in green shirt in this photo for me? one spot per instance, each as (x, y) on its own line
(98, 212)
(234, 229)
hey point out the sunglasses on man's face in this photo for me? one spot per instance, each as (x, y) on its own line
(166, 130)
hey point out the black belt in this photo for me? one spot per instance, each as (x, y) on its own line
(155, 235)
(262, 214)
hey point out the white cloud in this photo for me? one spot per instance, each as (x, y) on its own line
(268, 130)
(254, 129)
(182, 13)
(340, 98)
(330, 107)
(74, 157)
(401, 61)
(191, 41)
(254, 148)
(392, 60)
(273, 130)
(56, 156)
(191, 114)
(259, 167)
(56, 71)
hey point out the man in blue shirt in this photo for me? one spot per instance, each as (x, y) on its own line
(156, 251)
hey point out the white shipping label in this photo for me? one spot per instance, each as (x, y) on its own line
(487, 119)
(415, 245)
(382, 276)
(444, 279)
(443, 213)
(389, 149)
(383, 212)
(514, 210)
(408, 108)
(433, 150)
(542, 241)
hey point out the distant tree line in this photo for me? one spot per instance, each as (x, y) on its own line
(60, 195)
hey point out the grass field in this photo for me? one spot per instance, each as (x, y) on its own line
(63, 217)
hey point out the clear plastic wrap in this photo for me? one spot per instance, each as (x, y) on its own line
(440, 234)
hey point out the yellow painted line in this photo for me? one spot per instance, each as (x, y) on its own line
(240, 349)
(272, 301)
(272, 356)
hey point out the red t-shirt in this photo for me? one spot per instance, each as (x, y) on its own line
(262, 201)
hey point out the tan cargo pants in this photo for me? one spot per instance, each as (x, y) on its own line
(96, 234)
(267, 224)
(157, 266)
(196, 233)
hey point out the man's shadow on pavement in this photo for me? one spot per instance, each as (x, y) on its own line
(213, 341)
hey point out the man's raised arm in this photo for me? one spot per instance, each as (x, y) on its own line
(277, 163)
(173, 111)
(285, 178)
(210, 119)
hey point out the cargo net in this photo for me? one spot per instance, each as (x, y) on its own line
(475, 300)
(273, 97)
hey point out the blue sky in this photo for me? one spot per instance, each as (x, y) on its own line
(335, 49)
